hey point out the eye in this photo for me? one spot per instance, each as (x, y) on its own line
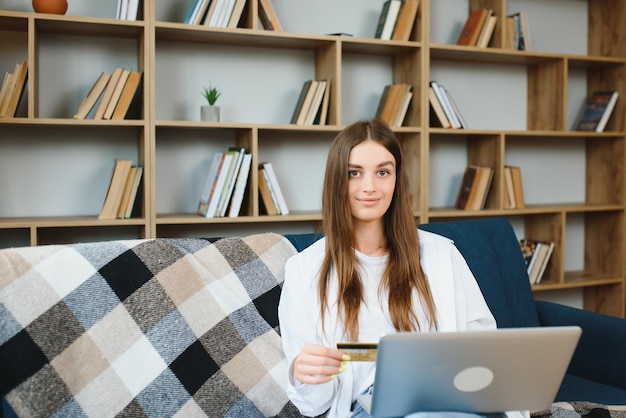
(353, 173)
(384, 173)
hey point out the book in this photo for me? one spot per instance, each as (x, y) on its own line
(536, 255)
(117, 92)
(268, 17)
(240, 186)
(316, 102)
(116, 189)
(404, 107)
(192, 11)
(122, 9)
(127, 194)
(202, 11)
(108, 92)
(392, 102)
(486, 33)
(518, 189)
(472, 27)
(597, 111)
(509, 201)
(12, 83)
(474, 188)
(437, 109)
(387, 19)
(18, 90)
(209, 183)
(224, 15)
(322, 116)
(220, 182)
(92, 97)
(406, 20)
(509, 30)
(132, 198)
(131, 88)
(4, 95)
(521, 33)
(235, 15)
(304, 102)
(275, 187)
(455, 109)
(133, 9)
(445, 104)
(231, 178)
(265, 192)
(210, 12)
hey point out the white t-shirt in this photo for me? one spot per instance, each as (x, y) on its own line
(458, 300)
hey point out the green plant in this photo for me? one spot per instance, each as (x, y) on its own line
(211, 94)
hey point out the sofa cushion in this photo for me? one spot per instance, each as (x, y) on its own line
(492, 252)
(144, 328)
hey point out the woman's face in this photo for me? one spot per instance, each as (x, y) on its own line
(371, 181)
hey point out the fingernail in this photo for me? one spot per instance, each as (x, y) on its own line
(341, 370)
(345, 357)
(333, 376)
(343, 363)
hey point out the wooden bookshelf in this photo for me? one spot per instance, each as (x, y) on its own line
(588, 225)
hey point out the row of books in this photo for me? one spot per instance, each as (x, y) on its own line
(474, 188)
(227, 14)
(113, 93)
(128, 9)
(225, 184)
(536, 255)
(270, 191)
(122, 193)
(514, 188)
(445, 112)
(396, 19)
(478, 28)
(12, 90)
(516, 32)
(313, 103)
(597, 110)
(394, 104)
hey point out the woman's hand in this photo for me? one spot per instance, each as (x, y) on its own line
(318, 364)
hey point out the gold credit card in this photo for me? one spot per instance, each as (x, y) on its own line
(359, 351)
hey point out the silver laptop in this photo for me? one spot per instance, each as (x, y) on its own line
(482, 371)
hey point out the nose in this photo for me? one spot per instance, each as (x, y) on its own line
(369, 183)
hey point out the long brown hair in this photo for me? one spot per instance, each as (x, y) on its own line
(400, 233)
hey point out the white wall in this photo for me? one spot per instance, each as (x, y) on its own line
(73, 180)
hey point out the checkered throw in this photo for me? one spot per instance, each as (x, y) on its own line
(581, 410)
(144, 328)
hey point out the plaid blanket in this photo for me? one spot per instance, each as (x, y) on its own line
(582, 410)
(144, 328)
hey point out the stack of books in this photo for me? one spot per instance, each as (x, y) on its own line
(445, 112)
(397, 19)
(536, 255)
(271, 193)
(478, 28)
(225, 184)
(122, 192)
(394, 104)
(12, 90)
(112, 95)
(474, 188)
(516, 32)
(313, 103)
(228, 13)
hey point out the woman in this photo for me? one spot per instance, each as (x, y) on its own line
(370, 275)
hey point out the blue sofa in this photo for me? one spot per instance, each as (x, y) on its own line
(200, 371)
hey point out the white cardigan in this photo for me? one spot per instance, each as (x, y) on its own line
(459, 302)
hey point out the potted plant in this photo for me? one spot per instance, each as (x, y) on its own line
(210, 112)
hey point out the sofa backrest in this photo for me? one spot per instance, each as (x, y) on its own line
(492, 252)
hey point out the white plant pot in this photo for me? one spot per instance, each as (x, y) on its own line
(210, 113)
